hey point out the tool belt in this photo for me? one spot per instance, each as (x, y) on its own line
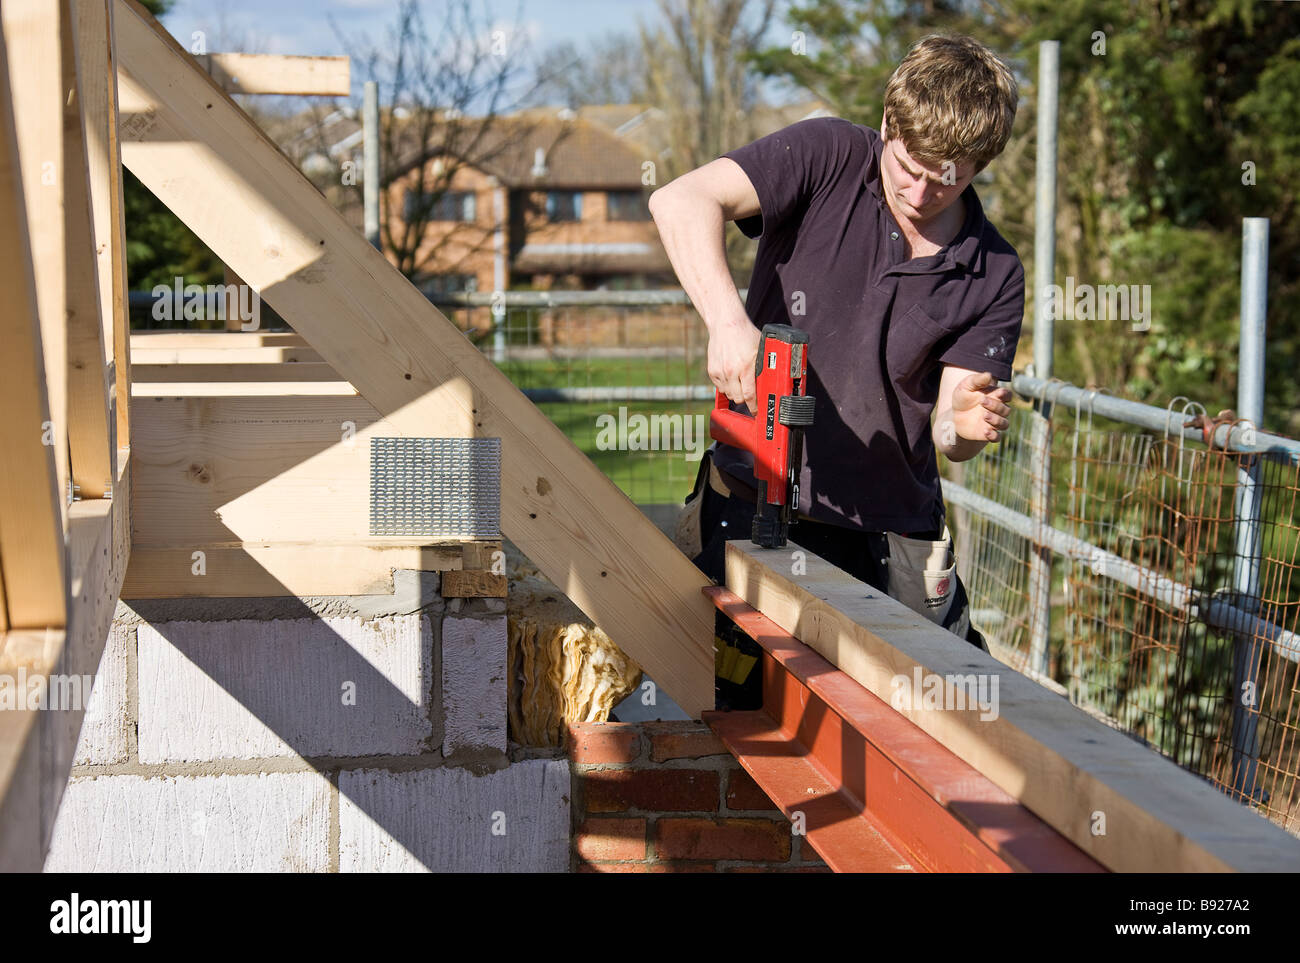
(687, 535)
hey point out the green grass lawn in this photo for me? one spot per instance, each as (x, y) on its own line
(647, 477)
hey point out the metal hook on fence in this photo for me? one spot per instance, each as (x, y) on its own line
(1086, 398)
(1052, 393)
(1091, 395)
(1051, 397)
(1169, 410)
(1164, 449)
(1075, 516)
(1182, 437)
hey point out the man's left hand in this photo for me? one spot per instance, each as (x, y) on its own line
(979, 407)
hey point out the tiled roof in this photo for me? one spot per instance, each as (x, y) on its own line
(575, 152)
(596, 147)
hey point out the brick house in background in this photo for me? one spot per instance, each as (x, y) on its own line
(545, 198)
(568, 188)
(551, 198)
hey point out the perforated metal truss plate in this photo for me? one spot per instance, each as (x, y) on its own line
(448, 487)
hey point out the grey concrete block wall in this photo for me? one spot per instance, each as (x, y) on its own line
(103, 739)
(262, 822)
(251, 689)
(308, 735)
(474, 683)
(512, 821)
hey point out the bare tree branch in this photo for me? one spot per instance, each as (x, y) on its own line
(444, 94)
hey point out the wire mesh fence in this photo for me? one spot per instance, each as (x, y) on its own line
(1174, 589)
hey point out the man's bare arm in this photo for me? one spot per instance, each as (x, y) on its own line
(690, 213)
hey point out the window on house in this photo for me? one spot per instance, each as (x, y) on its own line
(627, 206)
(447, 206)
(564, 205)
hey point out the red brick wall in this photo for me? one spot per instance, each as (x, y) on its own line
(664, 797)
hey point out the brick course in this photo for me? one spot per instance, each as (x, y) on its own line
(669, 741)
(597, 744)
(764, 840)
(653, 790)
(667, 797)
(611, 840)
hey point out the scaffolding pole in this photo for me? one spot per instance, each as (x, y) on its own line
(1247, 646)
(1040, 562)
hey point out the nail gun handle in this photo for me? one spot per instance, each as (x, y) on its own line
(735, 428)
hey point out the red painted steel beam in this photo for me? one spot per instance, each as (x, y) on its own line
(847, 840)
(868, 780)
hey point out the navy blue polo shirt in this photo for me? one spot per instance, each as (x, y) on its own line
(831, 260)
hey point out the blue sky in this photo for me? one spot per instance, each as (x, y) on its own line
(303, 27)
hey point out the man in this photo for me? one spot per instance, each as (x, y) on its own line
(876, 245)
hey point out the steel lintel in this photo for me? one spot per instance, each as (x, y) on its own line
(872, 791)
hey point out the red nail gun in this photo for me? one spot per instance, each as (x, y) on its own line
(775, 435)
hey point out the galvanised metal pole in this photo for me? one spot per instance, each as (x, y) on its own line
(1040, 561)
(1246, 509)
(370, 172)
(499, 274)
(1171, 423)
(1049, 62)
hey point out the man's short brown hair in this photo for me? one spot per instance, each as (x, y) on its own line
(951, 99)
